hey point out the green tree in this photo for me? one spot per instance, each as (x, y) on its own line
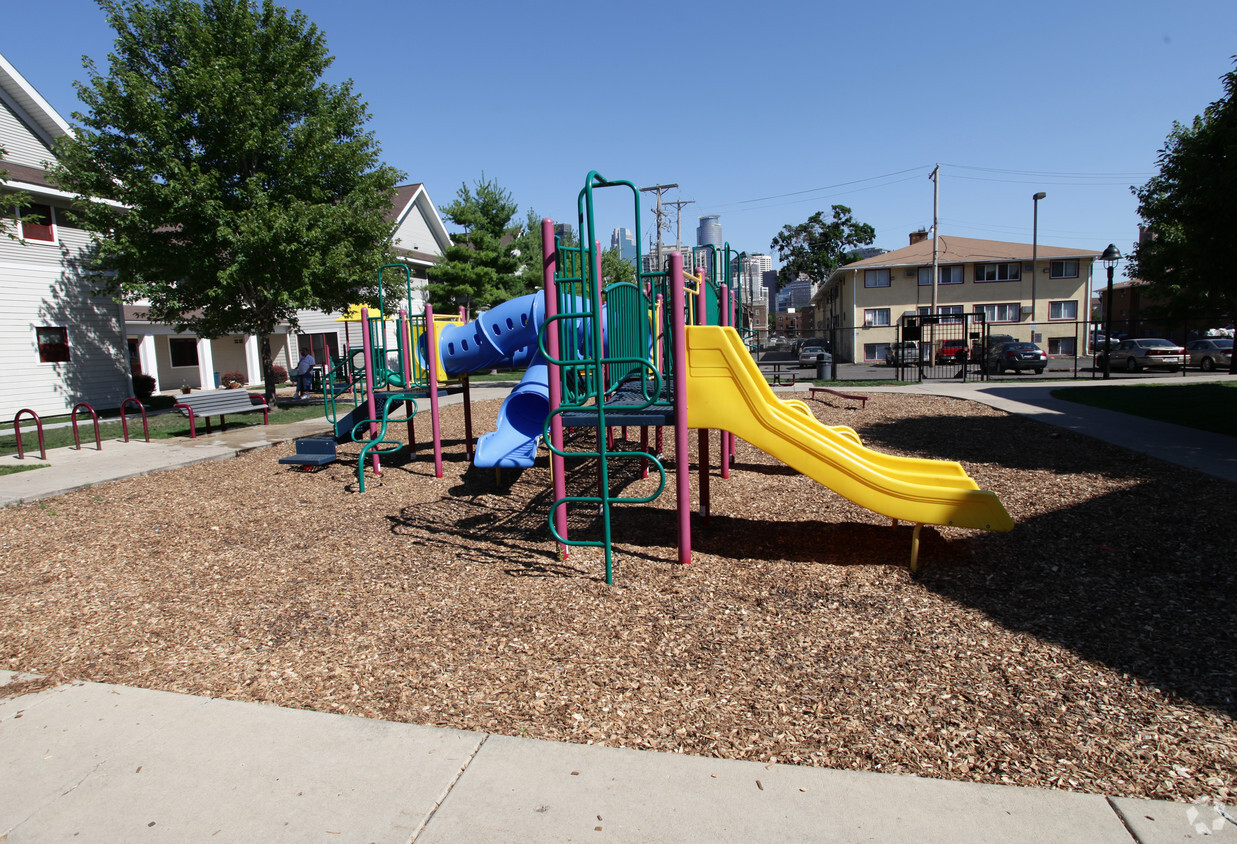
(487, 263)
(527, 245)
(1190, 214)
(247, 188)
(818, 247)
(615, 268)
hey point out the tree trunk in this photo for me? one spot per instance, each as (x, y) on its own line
(268, 366)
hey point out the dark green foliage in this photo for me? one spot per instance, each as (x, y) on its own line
(1190, 214)
(143, 386)
(488, 262)
(251, 188)
(818, 247)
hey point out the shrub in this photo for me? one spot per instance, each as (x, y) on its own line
(281, 374)
(143, 386)
(230, 378)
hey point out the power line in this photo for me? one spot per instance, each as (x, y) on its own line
(826, 187)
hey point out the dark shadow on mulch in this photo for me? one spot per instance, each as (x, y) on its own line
(1159, 609)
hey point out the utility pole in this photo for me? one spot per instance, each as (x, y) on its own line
(678, 224)
(936, 213)
(659, 189)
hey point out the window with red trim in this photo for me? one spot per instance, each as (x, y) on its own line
(53, 344)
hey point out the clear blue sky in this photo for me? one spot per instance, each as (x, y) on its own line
(761, 112)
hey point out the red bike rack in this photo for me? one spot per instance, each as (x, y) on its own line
(21, 455)
(124, 423)
(77, 441)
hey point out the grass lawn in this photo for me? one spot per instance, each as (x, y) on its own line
(1207, 407)
(162, 426)
(13, 470)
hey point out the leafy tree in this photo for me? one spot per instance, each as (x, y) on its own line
(527, 245)
(818, 247)
(1190, 214)
(248, 187)
(615, 268)
(487, 262)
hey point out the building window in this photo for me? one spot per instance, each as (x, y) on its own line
(998, 313)
(875, 317)
(876, 278)
(37, 223)
(998, 272)
(951, 274)
(1062, 346)
(1063, 269)
(184, 351)
(1062, 310)
(874, 352)
(53, 344)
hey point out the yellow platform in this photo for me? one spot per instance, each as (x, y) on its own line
(726, 390)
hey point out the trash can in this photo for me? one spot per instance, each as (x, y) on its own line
(823, 366)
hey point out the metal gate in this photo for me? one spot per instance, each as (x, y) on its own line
(945, 346)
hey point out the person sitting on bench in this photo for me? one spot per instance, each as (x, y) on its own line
(304, 375)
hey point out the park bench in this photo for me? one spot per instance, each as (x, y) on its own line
(312, 453)
(863, 400)
(218, 403)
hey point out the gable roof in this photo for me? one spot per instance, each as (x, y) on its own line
(22, 96)
(407, 200)
(966, 250)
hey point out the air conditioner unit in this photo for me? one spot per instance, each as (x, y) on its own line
(1026, 310)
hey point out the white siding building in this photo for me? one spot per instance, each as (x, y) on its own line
(60, 344)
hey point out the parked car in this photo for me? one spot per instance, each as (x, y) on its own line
(952, 351)
(1210, 352)
(980, 349)
(907, 352)
(807, 355)
(1143, 352)
(1016, 356)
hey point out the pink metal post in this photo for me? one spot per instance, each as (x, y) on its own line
(727, 437)
(682, 467)
(38, 424)
(404, 329)
(76, 439)
(431, 357)
(557, 464)
(702, 435)
(368, 351)
(124, 423)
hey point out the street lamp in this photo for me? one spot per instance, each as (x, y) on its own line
(1034, 255)
(1110, 258)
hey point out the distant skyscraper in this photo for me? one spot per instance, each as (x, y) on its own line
(709, 232)
(565, 231)
(625, 242)
(749, 273)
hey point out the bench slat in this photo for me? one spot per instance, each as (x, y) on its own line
(219, 403)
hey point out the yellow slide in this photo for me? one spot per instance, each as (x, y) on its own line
(726, 390)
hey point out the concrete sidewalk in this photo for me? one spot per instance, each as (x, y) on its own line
(108, 763)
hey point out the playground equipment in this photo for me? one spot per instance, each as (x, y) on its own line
(665, 351)
(380, 375)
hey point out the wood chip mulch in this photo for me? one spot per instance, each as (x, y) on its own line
(1090, 649)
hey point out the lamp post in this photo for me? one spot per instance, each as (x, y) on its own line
(1034, 255)
(1110, 258)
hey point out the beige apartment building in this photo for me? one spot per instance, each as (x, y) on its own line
(866, 300)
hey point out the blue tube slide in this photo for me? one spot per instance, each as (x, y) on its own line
(505, 337)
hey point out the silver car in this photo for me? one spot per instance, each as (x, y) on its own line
(1210, 352)
(1143, 352)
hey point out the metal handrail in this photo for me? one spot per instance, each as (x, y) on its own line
(77, 440)
(21, 455)
(124, 423)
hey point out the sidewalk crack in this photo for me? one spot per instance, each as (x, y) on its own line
(450, 786)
